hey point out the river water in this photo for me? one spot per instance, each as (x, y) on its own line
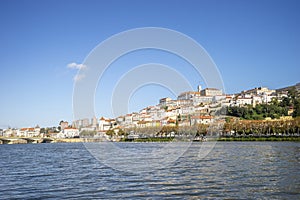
(232, 170)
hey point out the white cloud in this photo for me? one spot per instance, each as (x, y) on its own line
(74, 65)
(78, 77)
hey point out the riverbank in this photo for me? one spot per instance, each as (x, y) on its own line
(15, 140)
(221, 139)
(260, 139)
(154, 139)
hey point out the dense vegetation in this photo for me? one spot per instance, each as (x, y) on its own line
(275, 109)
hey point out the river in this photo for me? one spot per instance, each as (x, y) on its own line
(232, 170)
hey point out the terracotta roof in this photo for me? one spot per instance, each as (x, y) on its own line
(27, 129)
(202, 117)
(171, 121)
(70, 128)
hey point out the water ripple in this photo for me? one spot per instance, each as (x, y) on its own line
(233, 170)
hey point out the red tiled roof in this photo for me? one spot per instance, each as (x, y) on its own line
(70, 128)
(202, 117)
(171, 121)
(27, 129)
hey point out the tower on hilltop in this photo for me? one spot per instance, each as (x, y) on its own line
(199, 88)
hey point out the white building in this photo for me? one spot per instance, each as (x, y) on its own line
(241, 101)
(201, 119)
(259, 91)
(68, 133)
(29, 132)
(211, 92)
(104, 124)
(188, 95)
(164, 101)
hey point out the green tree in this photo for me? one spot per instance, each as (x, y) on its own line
(296, 112)
(110, 132)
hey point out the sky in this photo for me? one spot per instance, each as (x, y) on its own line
(44, 43)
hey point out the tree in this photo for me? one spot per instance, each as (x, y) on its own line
(43, 130)
(110, 132)
(296, 112)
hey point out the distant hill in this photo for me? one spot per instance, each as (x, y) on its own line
(285, 89)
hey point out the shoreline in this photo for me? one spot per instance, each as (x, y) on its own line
(16, 140)
(261, 139)
(4, 140)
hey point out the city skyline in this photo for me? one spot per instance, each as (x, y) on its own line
(43, 45)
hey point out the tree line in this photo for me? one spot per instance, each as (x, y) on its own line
(238, 127)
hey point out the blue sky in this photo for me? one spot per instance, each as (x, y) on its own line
(253, 43)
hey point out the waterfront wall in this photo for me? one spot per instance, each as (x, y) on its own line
(4, 140)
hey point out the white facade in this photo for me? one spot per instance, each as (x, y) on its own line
(104, 124)
(29, 132)
(68, 133)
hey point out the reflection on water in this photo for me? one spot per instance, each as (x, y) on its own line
(239, 170)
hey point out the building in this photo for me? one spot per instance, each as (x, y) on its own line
(104, 124)
(164, 101)
(190, 95)
(63, 125)
(211, 92)
(201, 119)
(10, 132)
(259, 91)
(68, 132)
(241, 101)
(202, 100)
(94, 123)
(71, 132)
(81, 123)
(29, 132)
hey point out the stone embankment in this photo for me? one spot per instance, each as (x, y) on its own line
(5, 140)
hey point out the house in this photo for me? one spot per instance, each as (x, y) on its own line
(201, 119)
(68, 133)
(88, 129)
(201, 109)
(144, 124)
(241, 101)
(29, 132)
(155, 123)
(168, 121)
(128, 119)
(104, 124)
(71, 132)
(9, 132)
(259, 91)
(164, 101)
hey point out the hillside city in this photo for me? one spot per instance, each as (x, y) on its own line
(189, 109)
